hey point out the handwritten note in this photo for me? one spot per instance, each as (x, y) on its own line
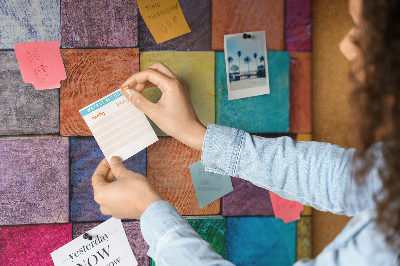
(108, 246)
(209, 186)
(164, 18)
(284, 209)
(41, 64)
(118, 126)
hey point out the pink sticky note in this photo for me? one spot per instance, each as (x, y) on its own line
(286, 210)
(41, 64)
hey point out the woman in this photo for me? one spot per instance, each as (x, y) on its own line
(317, 174)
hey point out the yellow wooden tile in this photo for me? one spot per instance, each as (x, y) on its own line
(197, 70)
(304, 137)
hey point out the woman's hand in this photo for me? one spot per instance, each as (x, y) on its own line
(127, 197)
(174, 112)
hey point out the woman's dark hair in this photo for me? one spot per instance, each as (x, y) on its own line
(375, 103)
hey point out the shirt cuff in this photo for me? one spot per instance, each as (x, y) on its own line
(159, 218)
(221, 150)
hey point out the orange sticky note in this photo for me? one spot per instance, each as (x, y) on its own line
(286, 210)
(41, 64)
(164, 18)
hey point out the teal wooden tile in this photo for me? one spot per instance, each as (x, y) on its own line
(29, 21)
(212, 229)
(260, 241)
(260, 114)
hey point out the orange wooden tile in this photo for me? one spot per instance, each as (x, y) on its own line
(168, 163)
(300, 92)
(91, 75)
(230, 17)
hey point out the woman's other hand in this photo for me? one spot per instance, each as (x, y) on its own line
(127, 197)
(174, 112)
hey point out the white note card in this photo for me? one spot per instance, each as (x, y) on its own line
(109, 246)
(118, 126)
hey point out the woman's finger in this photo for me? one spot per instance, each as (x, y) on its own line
(100, 174)
(159, 80)
(160, 67)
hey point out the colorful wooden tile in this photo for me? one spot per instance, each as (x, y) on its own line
(198, 17)
(85, 157)
(133, 233)
(91, 75)
(260, 114)
(307, 211)
(304, 238)
(34, 180)
(212, 229)
(300, 92)
(260, 241)
(298, 25)
(304, 137)
(24, 110)
(29, 21)
(197, 70)
(32, 244)
(96, 23)
(230, 17)
(168, 163)
(247, 199)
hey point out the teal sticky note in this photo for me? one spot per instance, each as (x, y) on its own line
(209, 186)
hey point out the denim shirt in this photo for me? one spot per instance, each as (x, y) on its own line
(312, 173)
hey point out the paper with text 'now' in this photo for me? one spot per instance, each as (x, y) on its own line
(209, 186)
(118, 126)
(108, 246)
(41, 64)
(164, 18)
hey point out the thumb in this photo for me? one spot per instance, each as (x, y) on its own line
(117, 167)
(138, 100)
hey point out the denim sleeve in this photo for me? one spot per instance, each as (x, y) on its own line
(312, 173)
(172, 241)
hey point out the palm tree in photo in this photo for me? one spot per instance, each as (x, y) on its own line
(239, 54)
(262, 59)
(230, 60)
(255, 58)
(247, 60)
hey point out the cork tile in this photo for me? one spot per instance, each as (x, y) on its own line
(212, 230)
(29, 21)
(230, 17)
(25, 110)
(91, 75)
(34, 180)
(298, 22)
(261, 114)
(197, 70)
(96, 23)
(85, 156)
(197, 15)
(300, 92)
(304, 238)
(168, 163)
(133, 233)
(260, 241)
(32, 243)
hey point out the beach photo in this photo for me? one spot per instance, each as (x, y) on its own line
(246, 64)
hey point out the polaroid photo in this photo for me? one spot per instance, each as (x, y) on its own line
(246, 64)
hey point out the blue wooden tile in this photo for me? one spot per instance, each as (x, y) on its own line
(260, 241)
(260, 114)
(85, 156)
(29, 21)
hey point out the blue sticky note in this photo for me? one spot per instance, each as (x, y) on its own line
(209, 186)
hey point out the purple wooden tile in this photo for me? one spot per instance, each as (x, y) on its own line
(198, 16)
(34, 180)
(298, 25)
(29, 21)
(247, 199)
(85, 157)
(25, 110)
(32, 244)
(98, 23)
(133, 233)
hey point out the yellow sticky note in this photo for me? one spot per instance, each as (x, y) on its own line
(164, 18)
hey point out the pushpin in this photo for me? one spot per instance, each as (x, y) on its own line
(246, 36)
(87, 236)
